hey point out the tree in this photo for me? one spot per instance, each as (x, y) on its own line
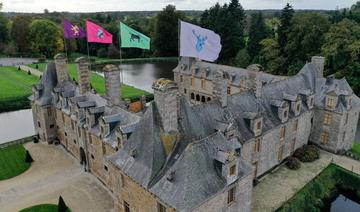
(166, 31)
(305, 37)
(271, 58)
(257, 33)
(61, 205)
(45, 37)
(4, 29)
(285, 21)
(19, 31)
(228, 21)
(242, 59)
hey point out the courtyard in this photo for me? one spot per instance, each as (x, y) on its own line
(54, 172)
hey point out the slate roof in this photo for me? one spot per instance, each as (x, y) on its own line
(47, 83)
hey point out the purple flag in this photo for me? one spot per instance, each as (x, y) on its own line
(72, 31)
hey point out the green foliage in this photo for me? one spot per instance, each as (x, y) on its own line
(232, 33)
(355, 149)
(19, 32)
(307, 153)
(324, 186)
(305, 36)
(41, 208)
(45, 37)
(257, 33)
(242, 59)
(293, 163)
(166, 31)
(270, 56)
(285, 22)
(12, 161)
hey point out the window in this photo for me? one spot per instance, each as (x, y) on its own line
(74, 141)
(202, 98)
(92, 156)
(106, 168)
(185, 90)
(209, 99)
(63, 117)
(258, 125)
(51, 126)
(285, 114)
(39, 125)
(104, 149)
(232, 170)
(295, 126)
(327, 119)
(257, 145)
(298, 108)
(123, 183)
(72, 124)
(90, 139)
(324, 138)
(49, 111)
(228, 90)
(79, 131)
(311, 102)
(292, 145)
(330, 102)
(126, 207)
(203, 83)
(282, 132)
(231, 195)
(344, 136)
(280, 153)
(197, 97)
(181, 78)
(192, 82)
(346, 118)
(161, 207)
(192, 96)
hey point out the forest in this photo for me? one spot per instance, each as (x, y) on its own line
(281, 41)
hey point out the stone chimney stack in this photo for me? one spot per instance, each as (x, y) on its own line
(82, 66)
(319, 62)
(61, 68)
(220, 87)
(166, 96)
(112, 84)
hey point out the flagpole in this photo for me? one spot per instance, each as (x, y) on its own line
(87, 44)
(121, 70)
(65, 44)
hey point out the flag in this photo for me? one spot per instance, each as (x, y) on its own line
(97, 34)
(131, 38)
(199, 42)
(72, 31)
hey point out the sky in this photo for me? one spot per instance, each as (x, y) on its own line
(141, 5)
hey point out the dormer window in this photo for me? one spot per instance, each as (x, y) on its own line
(330, 102)
(311, 104)
(181, 78)
(232, 170)
(229, 90)
(285, 114)
(298, 108)
(231, 195)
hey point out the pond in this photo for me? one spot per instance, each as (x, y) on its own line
(15, 125)
(142, 75)
(343, 202)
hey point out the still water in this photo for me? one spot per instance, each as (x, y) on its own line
(143, 75)
(15, 125)
(344, 204)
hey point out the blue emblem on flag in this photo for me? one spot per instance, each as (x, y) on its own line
(200, 41)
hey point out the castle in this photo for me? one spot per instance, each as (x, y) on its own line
(203, 140)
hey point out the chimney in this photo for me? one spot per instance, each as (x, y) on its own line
(258, 84)
(82, 66)
(112, 84)
(319, 62)
(166, 96)
(220, 88)
(61, 68)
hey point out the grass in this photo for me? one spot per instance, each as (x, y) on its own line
(42, 208)
(98, 83)
(356, 149)
(312, 196)
(15, 87)
(12, 161)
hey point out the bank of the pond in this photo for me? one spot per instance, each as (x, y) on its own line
(15, 88)
(322, 188)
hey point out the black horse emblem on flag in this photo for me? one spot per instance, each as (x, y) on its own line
(134, 37)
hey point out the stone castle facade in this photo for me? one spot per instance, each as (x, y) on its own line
(203, 140)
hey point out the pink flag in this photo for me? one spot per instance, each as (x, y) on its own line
(97, 34)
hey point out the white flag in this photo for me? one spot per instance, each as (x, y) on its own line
(199, 42)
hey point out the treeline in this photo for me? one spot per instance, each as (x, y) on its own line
(281, 41)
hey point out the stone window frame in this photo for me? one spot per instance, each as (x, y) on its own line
(232, 170)
(52, 126)
(257, 145)
(203, 83)
(280, 153)
(197, 97)
(327, 119)
(39, 125)
(346, 118)
(103, 149)
(292, 145)
(324, 138)
(90, 139)
(161, 207)
(228, 90)
(298, 107)
(185, 91)
(181, 78)
(282, 133)
(330, 102)
(296, 125)
(231, 195)
(192, 82)
(106, 168)
(123, 182)
(285, 114)
(126, 206)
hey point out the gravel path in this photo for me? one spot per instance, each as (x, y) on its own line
(32, 70)
(54, 173)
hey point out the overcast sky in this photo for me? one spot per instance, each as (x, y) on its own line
(139, 5)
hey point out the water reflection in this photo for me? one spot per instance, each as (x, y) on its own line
(16, 125)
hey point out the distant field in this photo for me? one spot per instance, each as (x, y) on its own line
(98, 83)
(15, 88)
(12, 161)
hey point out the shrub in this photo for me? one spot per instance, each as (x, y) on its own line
(19, 68)
(293, 163)
(28, 158)
(29, 72)
(307, 153)
(61, 205)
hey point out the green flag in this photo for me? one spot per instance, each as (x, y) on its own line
(131, 38)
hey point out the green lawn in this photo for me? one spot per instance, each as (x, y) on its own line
(12, 161)
(15, 88)
(41, 208)
(356, 149)
(98, 83)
